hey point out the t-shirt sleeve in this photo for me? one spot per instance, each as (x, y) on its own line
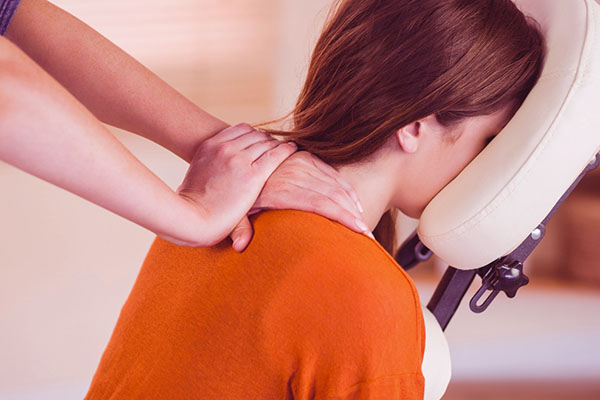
(7, 11)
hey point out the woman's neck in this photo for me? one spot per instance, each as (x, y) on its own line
(375, 185)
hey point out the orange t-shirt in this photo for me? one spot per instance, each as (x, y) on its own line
(309, 310)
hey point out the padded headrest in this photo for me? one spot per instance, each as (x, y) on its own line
(510, 187)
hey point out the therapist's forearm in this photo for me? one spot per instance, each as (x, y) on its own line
(116, 88)
(45, 131)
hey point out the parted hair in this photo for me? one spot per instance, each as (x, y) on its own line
(379, 65)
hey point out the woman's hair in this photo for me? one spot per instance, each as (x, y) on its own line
(382, 64)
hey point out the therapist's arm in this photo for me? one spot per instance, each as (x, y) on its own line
(121, 92)
(115, 87)
(46, 132)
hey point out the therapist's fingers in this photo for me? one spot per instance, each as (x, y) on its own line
(242, 142)
(241, 235)
(256, 150)
(306, 199)
(298, 184)
(331, 188)
(303, 169)
(268, 161)
(334, 174)
(329, 209)
(231, 133)
(328, 181)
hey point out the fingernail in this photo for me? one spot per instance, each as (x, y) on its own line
(369, 234)
(360, 208)
(293, 144)
(361, 225)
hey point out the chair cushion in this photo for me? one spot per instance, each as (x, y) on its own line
(436, 366)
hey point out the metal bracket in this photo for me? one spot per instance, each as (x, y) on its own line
(412, 252)
(449, 293)
(506, 275)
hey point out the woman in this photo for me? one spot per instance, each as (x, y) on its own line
(400, 96)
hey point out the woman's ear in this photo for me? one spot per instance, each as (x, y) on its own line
(408, 137)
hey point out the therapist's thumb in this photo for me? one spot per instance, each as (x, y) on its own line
(242, 234)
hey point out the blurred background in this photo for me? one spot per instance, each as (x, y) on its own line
(67, 266)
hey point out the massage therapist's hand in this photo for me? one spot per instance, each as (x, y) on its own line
(304, 182)
(226, 175)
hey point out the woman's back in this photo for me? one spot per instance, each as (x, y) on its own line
(309, 310)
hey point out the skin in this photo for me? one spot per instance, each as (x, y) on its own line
(47, 133)
(417, 162)
(59, 79)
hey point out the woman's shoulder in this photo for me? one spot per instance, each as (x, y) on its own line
(323, 243)
(332, 262)
(296, 240)
(303, 245)
(342, 297)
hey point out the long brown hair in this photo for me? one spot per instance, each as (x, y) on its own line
(382, 64)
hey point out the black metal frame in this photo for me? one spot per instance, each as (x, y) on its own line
(504, 274)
